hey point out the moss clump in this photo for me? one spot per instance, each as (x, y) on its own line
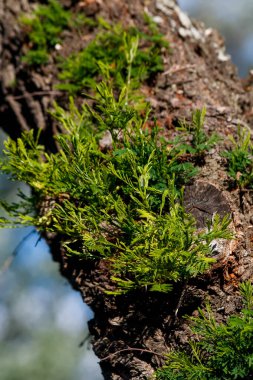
(44, 28)
(110, 47)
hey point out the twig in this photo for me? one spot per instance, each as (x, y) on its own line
(16, 109)
(174, 70)
(180, 301)
(182, 81)
(84, 340)
(38, 240)
(37, 93)
(132, 349)
(7, 263)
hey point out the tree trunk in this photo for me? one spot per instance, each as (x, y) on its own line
(132, 332)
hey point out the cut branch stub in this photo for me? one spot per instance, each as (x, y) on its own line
(203, 200)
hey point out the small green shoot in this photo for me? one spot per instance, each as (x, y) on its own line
(240, 159)
(194, 140)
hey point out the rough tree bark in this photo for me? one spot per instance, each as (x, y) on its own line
(127, 329)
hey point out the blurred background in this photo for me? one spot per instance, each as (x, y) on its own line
(234, 20)
(42, 320)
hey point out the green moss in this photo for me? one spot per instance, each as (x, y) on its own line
(44, 28)
(80, 70)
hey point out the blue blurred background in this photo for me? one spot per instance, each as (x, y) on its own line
(234, 20)
(42, 320)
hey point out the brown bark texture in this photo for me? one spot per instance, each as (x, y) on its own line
(130, 333)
